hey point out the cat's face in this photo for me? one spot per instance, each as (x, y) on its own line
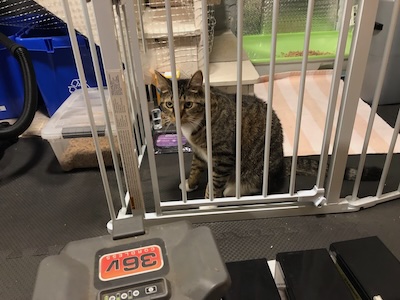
(191, 99)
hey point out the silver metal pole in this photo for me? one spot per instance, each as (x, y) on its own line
(82, 78)
(175, 98)
(377, 95)
(140, 12)
(275, 14)
(336, 77)
(354, 79)
(120, 103)
(129, 78)
(207, 98)
(301, 96)
(239, 95)
(99, 81)
(132, 28)
(134, 81)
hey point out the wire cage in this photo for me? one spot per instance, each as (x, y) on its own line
(141, 179)
(186, 18)
(257, 17)
(28, 13)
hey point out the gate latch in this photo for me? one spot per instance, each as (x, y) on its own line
(315, 196)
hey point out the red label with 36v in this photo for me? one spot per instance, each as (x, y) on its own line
(130, 262)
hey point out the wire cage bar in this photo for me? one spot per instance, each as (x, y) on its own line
(126, 46)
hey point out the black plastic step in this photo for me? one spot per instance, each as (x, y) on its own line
(251, 280)
(370, 266)
(311, 275)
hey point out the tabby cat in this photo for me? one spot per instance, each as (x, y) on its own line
(223, 129)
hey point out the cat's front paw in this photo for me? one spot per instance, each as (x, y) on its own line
(207, 196)
(188, 188)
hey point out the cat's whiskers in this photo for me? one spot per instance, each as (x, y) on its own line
(166, 127)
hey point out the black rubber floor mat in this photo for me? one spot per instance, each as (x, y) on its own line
(43, 208)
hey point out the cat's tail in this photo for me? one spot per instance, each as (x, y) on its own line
(309, 167)
(369, 174)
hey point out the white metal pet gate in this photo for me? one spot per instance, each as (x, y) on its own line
(127, 89)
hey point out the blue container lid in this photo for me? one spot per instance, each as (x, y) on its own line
(47, 39)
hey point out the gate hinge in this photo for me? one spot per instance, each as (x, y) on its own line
(315, 195)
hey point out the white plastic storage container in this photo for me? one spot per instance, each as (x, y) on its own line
(69, 128)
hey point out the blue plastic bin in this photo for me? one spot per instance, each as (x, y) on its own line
(54, 64)
(11, 87)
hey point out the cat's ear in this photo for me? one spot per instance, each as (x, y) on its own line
(196, 82)
(163, 84)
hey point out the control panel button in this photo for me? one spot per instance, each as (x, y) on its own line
(156, 289)
(150, 289)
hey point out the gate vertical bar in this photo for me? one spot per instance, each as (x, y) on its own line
(354, 79)
(239, 95)
(275, 14)
(137, 118)
(141, 25)
(175, 98)
(333, 93)
(310, 10)
(377, 95)
(389, 156)
(114, 75)
(129, 13)
(82, 78)
(100, 87)
(204, 18)
(142, 36)
(129, 78)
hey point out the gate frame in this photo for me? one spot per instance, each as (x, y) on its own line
(308, 202)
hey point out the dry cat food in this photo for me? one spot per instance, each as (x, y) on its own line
(300, 53)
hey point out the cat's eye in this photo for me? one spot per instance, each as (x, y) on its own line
(188, 104)
(169, 104)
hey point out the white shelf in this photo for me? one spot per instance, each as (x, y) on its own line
(225, 73)
(223, 63)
